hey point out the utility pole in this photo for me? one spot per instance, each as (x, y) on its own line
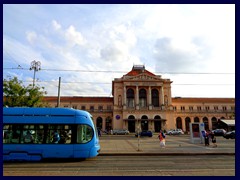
(59, 83)
(35, 66)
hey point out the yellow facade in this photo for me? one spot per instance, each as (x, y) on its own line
(142, 101)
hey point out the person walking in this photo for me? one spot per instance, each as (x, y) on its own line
(214, 140)
(206, 138)
(99, 132)
(162, 140)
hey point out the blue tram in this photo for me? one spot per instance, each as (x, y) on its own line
(33, 134)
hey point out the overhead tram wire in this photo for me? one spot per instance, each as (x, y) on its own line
(184, 84)
(108, 71)
(12, 59)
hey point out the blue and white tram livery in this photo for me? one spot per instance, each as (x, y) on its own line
(33, 134)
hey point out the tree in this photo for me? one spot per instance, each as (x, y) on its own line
(16, 94)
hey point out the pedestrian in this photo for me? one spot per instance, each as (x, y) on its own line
(99, 132)
(162, 137)
(214, 140)
(206, 137)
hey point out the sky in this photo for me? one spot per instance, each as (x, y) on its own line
(88, 45)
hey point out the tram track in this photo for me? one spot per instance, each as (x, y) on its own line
(132, 165)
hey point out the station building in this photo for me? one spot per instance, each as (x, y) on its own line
(142, 100)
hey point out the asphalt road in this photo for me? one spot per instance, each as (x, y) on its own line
(201, 165)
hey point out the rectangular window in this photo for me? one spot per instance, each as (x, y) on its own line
(207, 108)
(190, 108)
(130, 102)
(215, 107)
(199, 108)
(109, 107)
(91, 108)
(100, 108)
(74, 107)
(142, 102)
(83, 107)
(182, 108)
(224, 108)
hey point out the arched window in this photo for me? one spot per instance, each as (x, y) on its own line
(157, 123)
(99, 122)
(108, 123)
(179, 123)
(130, 98)
(142, 98)
(131, 123)
(157, 117)
(196, 119)
(187, 121)
(205, 121)
(131, 117)
(144, 123)
(214, 123)
(155, 98)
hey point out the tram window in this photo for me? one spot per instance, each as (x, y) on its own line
(6, 134)
(84, 133)
(39, 134)
(36, 134)
(11, 134)
(28, 134)
(62, 131)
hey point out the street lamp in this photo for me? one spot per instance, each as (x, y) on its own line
(35, 66)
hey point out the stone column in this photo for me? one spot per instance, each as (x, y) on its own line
(149, 98)
(124, 97)
(162, 95)
(137, 98)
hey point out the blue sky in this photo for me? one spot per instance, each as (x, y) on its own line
(88, 45)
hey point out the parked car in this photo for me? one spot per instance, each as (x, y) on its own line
(145, 133)
(229, 135)
(175, 132)
(219, 132)
(120, 131)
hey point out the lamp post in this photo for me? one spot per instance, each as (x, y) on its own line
(35, 66)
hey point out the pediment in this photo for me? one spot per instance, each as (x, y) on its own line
(142, 77)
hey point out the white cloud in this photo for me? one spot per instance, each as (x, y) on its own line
(74, 37)
(31, 36)
(56, 25)
(164, 37)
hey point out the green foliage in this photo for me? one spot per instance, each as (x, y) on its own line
(15, 94)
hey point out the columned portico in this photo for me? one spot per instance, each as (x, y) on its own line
(149, 96)
(143, 95)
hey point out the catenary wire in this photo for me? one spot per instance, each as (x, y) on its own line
(108, 71)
